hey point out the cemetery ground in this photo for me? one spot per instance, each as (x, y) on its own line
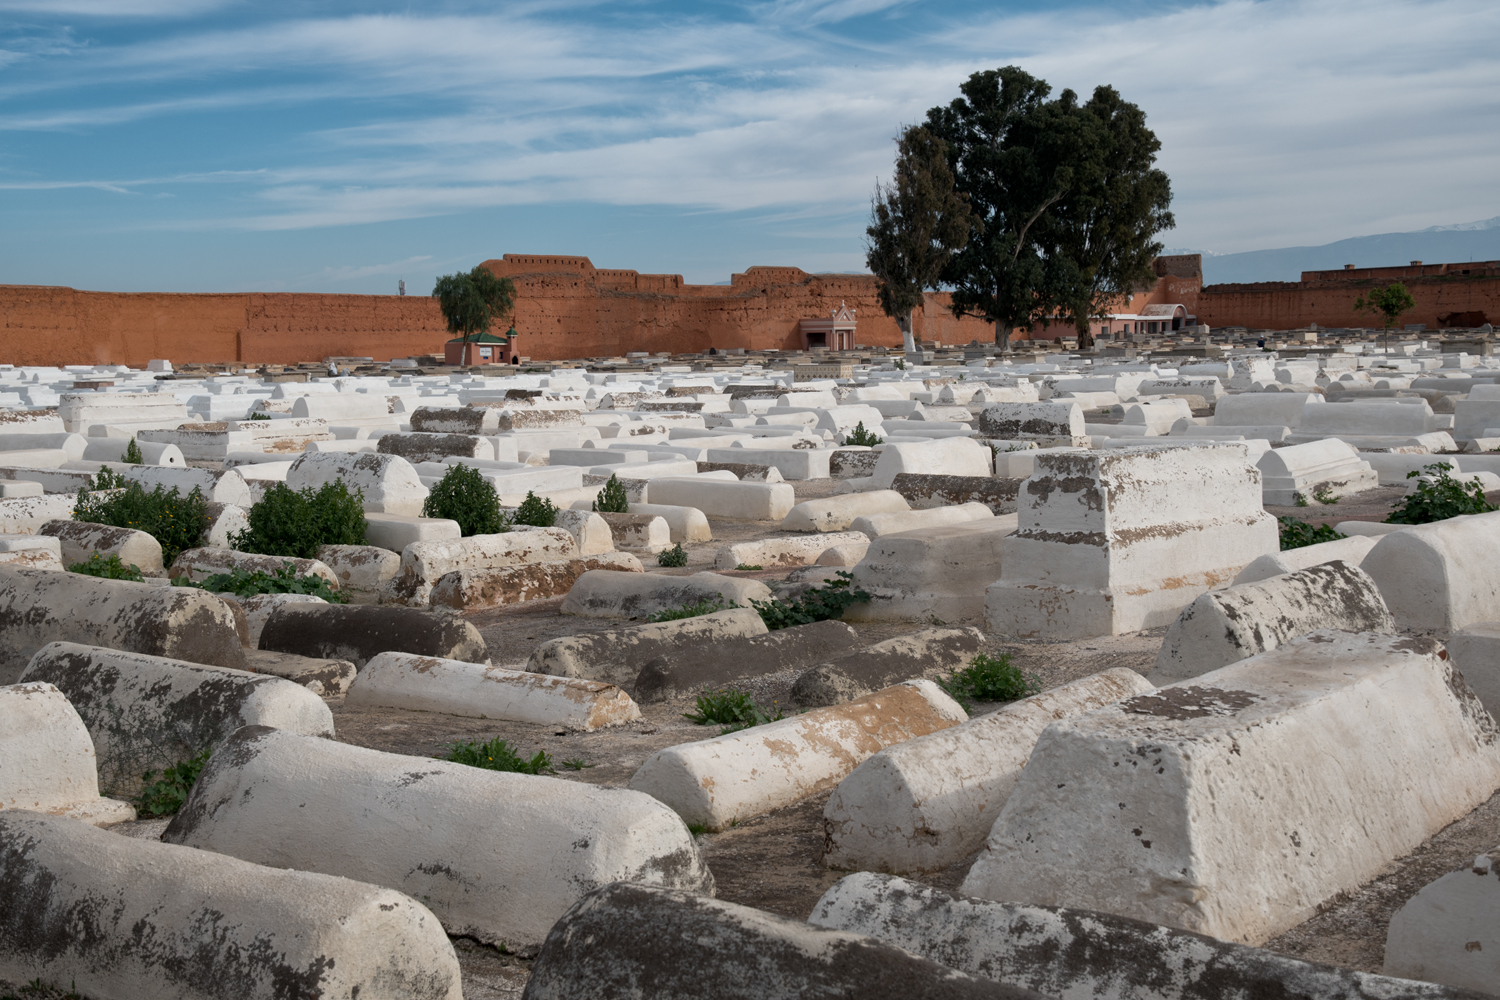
(771, 861)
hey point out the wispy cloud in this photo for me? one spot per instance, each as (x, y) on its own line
(114, 8)
(1282, 120)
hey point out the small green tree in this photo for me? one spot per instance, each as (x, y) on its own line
(1390, 302)
(612, 499)
(465, 496)
(133, 454)
(538, 512)
(296, 523)
(471, 301)
(862, 437)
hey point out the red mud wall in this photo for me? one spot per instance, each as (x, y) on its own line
(61, 326)
(1288, 305)
(565, 307)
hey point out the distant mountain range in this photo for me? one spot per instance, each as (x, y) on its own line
(1463, 241)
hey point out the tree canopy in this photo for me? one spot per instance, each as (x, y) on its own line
(1065, 199)
(472, 300)
(917, 222)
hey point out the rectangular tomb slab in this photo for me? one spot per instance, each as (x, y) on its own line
(1117, 541)
(1236, 803)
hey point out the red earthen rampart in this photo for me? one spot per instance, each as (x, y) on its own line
(1290, 305)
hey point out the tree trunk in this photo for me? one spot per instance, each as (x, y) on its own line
(908, 344)
(1002, 336)
(1086, 339)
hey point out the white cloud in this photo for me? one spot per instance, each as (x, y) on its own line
(114, 8)
(1282, 121)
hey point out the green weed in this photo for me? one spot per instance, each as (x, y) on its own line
(1295, 534)
(177, 522)
(164, 796)
(990, 678)
(731, 710)
(1441, 499)
(108, 569)
(815, 605)
(248, 583)
(498, 755)
(675, 556)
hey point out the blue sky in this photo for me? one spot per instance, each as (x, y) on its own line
(227, 145)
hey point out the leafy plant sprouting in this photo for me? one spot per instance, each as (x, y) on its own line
(815, 605)
(1440, 499)
(675, 556)
(166, 795)
(731, 710)
(860, 436)
(1295, 534)
(1325, 495)
(259, 416)
(704, 607)
(108, 479)
(177, 522)
(498, 755)
(296, 523)
(110, 568)
(133, 454)
(538, 512)
(248, 583)
(990, 678)
(465, 496)
(612, 499)
(577, 764)
(1300, 499)
(748, 567)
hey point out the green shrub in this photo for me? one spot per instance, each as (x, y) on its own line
(748, 567)
(990, 678)
(862, 437)
(612, 499)
(108, 479)
(1325, 495)
(675, 556)
(109, 569)
(1439, 500)
(688, 611)
(166, 795)
(539, 512)
(1295, 534)
(732, 710)
(465, 496)
(900, 365)
(498, 755)
(248, 583)
(296, 523)
(259, 416)
(815, 605)
(177, 522)
(133, 454)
